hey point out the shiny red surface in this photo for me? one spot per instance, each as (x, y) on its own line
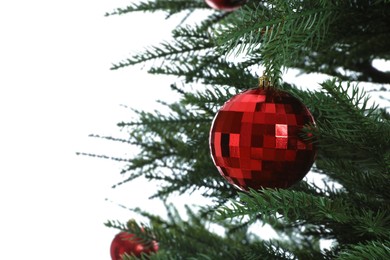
(256, 140)
(225, 5)
(126, 243)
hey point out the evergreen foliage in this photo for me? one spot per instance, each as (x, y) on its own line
(223, 53)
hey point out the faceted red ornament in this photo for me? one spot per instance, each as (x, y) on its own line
(127, 243)
(256, 140)
(225, 5)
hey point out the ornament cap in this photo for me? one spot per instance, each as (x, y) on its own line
(131, 224)
(264, 81)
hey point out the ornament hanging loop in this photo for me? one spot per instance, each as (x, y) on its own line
(264, 81)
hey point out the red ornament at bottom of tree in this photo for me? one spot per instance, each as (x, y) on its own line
(127, 243)
(225, 5)
(256, 140)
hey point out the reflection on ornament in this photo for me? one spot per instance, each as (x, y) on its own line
(256, 140)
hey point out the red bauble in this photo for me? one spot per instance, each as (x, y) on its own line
(127, 243)
(256, 140)
(225, 5)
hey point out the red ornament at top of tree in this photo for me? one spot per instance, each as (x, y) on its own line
(127, 243)
(256, 139)
(225, 5)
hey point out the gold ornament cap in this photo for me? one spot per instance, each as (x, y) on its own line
(264, 81)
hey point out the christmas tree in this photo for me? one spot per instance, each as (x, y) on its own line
(224, 52)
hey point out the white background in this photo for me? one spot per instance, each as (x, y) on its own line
(56, 89)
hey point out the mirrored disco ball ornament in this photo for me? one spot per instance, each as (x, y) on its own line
(126, 243)
(225, 5)
(256, 139)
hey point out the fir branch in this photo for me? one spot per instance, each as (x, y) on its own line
(350, 98)
(347, 126)
(167, 51)
(189, 238)
(356, 37)
(374, 184)
(111, 138)
(209, 69)
(173, 149)
(274, 33)
(353, 141)
(275, 249)
(191, 32)
(192, 239)
(370, 250)
(208, 100)
(245, 38)
(213, 19)
(373, 225)
(171, 7)
(102, 156)
(164, 121)
(336, 37)
(115, 224)
(292, 205)
(290, 209)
